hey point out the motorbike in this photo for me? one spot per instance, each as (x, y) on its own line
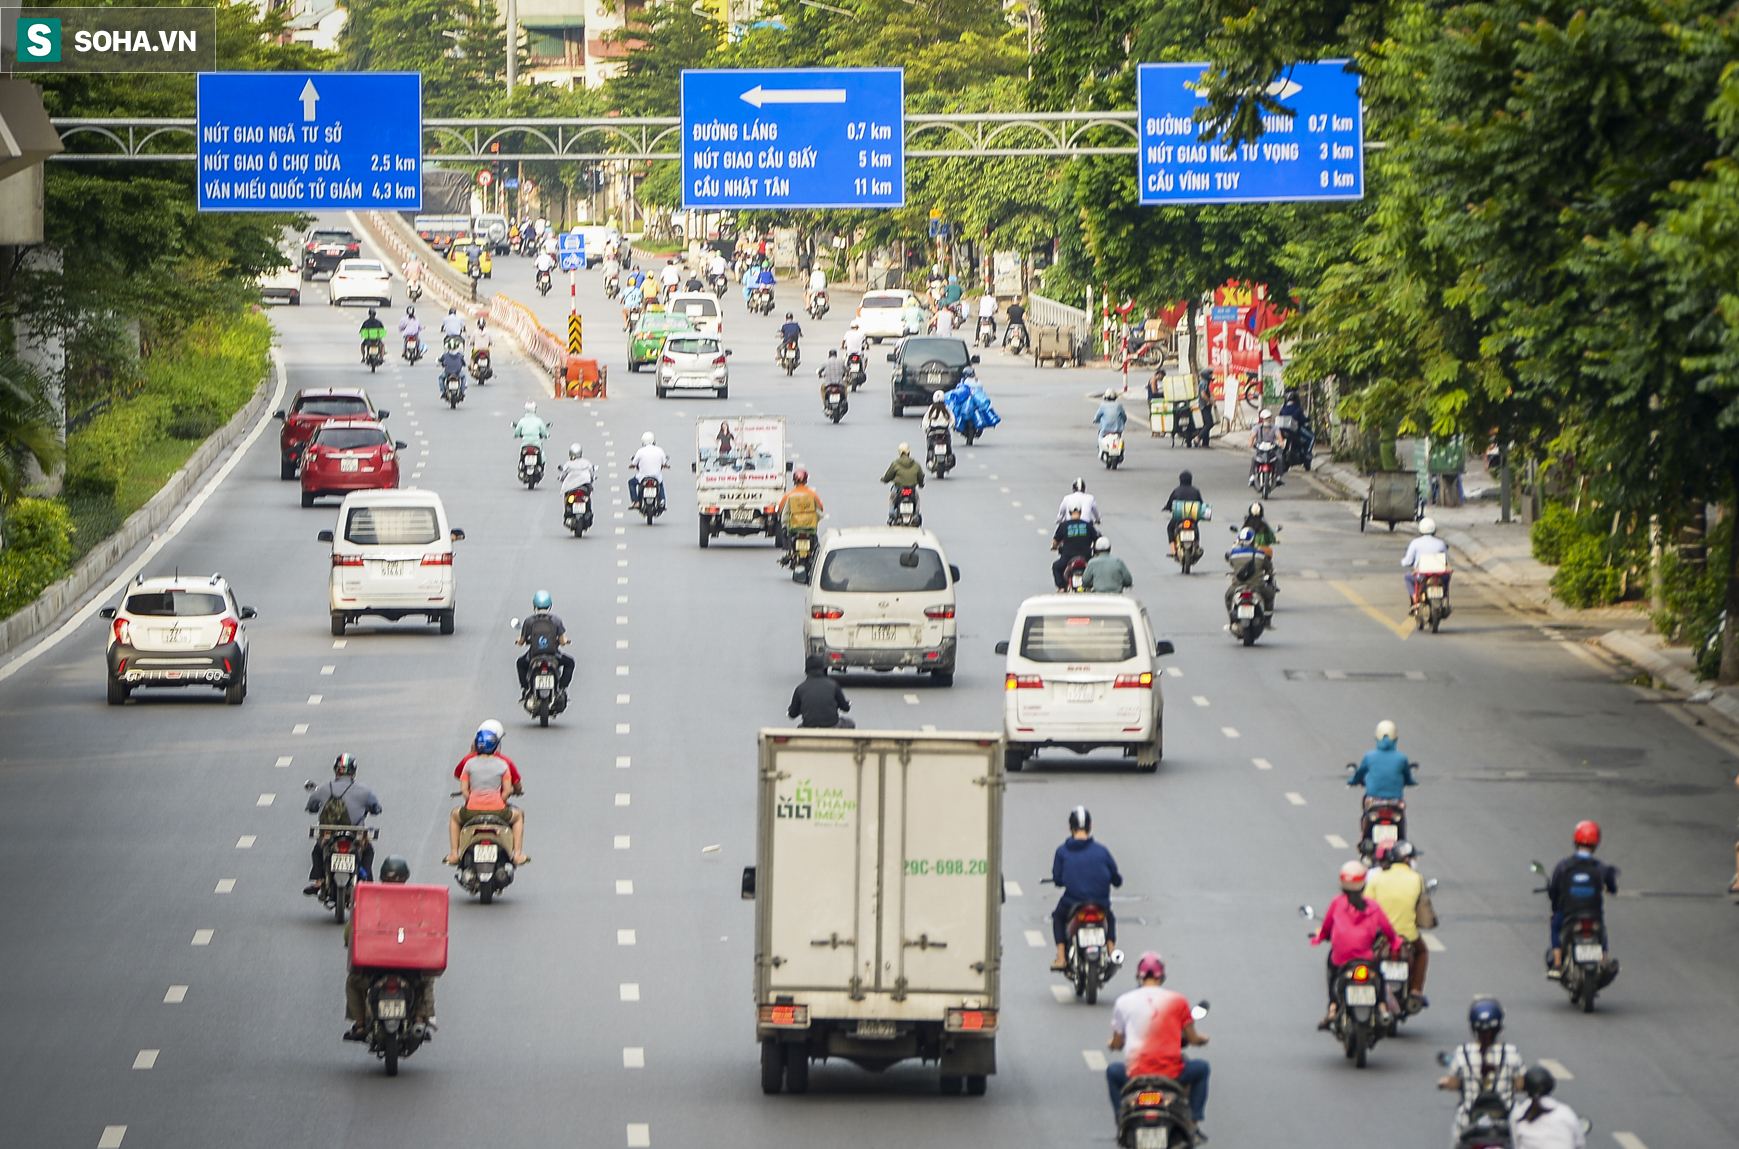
(1396, 968)
(577, 510)
(1431, 592)
(1111, 450)
(1267, 467)
(389, 1008)
(544, 284)
(480, 368)
(452, 389)
(939, 451)
(1155, 1111)
(761, 299)
(633, 320)
(413, 350)
(799, 552)
(789, 356)
(1246, 618)
(1016, 343)
(1362, 1015)
(485, 865)
(374, 354)
(818, 305)
(530, 465)
(476, 278)
(342, 848)
(855, 374)
(1088, 959)
(612, 283)
(1300, 447)
(546, 697)
(1189, 545)
(1588, 968)
(414, 290)
(1075, 576)
(833, 403)
(903, 511)
(651, 499)
(986, 330)
(720, 282)
(1381, 820)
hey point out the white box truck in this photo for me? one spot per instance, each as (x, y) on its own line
(878, 898)
(740, 474)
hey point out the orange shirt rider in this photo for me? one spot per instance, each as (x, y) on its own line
(487, 780)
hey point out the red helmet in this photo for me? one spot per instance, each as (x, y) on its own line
(1150, 965)
(800, 475)
(1587, 833)
(1352, 876)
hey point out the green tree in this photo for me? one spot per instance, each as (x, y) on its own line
(459, 46)
(28, 426)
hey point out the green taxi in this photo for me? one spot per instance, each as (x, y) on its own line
(647, 341)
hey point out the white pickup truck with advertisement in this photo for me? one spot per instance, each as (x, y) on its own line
(878, 898)
(740, 474)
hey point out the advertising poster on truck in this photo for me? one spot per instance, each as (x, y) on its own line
(736, 454)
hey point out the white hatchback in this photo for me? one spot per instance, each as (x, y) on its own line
(691, 361)
(360, 281)
(883, 599)
(392, 556)
(881, 314)
(1083, 674)
(178, 632)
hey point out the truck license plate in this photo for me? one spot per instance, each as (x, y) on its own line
(484, 852)
(546, 682)
(344, 863)
(1080, 692)
(876, 1030)
(347, 464)
(1587, 953)
(742, 515)
(1361, 995)
(1395, 971)
(1152, 1137)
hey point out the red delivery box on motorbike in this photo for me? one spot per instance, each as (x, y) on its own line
(396, 926)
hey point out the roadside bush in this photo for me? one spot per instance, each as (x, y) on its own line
(38, 546)
(1586, 576)
(1691, 600)
(1553, 533)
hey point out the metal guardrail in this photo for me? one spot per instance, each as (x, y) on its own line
(1042, 310)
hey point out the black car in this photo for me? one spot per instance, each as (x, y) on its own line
(924, 365)
(323, 249)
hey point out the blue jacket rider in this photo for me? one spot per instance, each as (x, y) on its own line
(1110, 416)
(453, 363)
(1085, 871)
(1385, 771)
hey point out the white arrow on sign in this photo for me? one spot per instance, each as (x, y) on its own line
(309, 98)
(1283, 89)
(758, 95)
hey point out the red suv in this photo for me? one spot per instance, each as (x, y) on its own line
(312, 407)
(349, 455)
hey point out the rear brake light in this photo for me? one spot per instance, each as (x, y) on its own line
(346, 560)
(392, 985)
(1146, 1100)
(342, 845)
(667, 359)
(939, 611)
(1362, 973)
(1091, 916)
(1137, 681)
(719, 362)
(1023, 682)
(444, 559)
(826, 612)
(969, 1019)
(792, 1016)
(123, 632)
(226, 632)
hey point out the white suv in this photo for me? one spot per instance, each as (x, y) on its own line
(178, 632)
(882, 598)
(392, 555)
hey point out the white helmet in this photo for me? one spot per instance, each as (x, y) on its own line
(648, 439)
(1110, 394)
(491, 726)
(1427, 525)
(1264, 414)
(531, 406)
(937, 397)
(574, 451)
(1386, 729)
(905, 448)
(1101, 545)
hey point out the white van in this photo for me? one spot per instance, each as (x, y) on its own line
(701, 307)
(1083, 673)
(881, 314)
(882, 598)
(392, 555)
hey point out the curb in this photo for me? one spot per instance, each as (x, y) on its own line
(31, 620)
(1635, 650)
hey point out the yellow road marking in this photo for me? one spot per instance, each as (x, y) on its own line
(1402, 630)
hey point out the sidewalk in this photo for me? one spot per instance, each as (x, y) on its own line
(1672, 665)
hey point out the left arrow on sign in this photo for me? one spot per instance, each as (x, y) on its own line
(758, 95)
(309, 98)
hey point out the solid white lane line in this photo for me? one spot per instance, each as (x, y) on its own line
(633, 1057)
(146, 1059)
(283, 760)
(328, 669)
(640, 1136)
(161, 540)
(629, 990)
(1095, 1059)
(1295, 798)
(111, 1138)
(1035, 939)
(621, 727)
(621, 841)
(1556, 1069)
(266, 799)
(624, 886)
(621, 799)
(623, 761)
(1262, 763)
(624, 937)
(928, 728)
(1199, 699)
(245, 842)
(1629, 1140)
(202, 937)
(1431, 942)
(1336, 841)
(1230, 732)
(299, 728)
(1012, 889)
(225, 886)
(1063, 993)
(176, 995)
(911, 700)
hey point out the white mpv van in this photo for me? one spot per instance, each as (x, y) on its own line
(392, 555)
(882, 598)
(1082, 674)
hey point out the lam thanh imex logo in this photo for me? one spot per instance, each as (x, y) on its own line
(34, 40)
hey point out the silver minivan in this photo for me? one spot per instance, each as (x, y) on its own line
(1083, 674)
(392, 556)
(882, 598)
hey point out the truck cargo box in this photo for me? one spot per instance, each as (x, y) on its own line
(398, 926)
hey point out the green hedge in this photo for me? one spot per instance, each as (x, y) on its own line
(38, 547)
(1553, 532)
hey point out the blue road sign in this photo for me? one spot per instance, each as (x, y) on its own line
(571, 246)
(310, 141)
(794, 138)
(1318, 153)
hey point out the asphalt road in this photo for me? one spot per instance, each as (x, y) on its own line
(553, 1031)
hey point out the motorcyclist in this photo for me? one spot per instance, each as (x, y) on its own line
(543, 632)
(452, 363)
(632, 300)
(912, 317)
(392, 869)
(1073, 539)
(904, 471)
(855, 339)
(987, 308)
(761, 280)
(1184, 492)
(1110, 417)
(1264, 432)
(487, 740)
(1264, 534)
(636, 278)
(482, 342)
(1400, 891)
(1579, 882)
(1483, 1065)
(801, 508)
(1016, 318)
(943, 322)
(576, 470)
(412, 327)
(1205, 400)
(1152, 1025)
(1384, 772)
(1427, 543)
(453, 325)
(1351, 925)
(1085, 872)
(1251, 570)
(545, 264)
(1540, 1122)
(1293, 410)
(1078, 497)
(486, 781)
(818, 699)
(1106, 573)
(937, 414)
(531, 430)
(814, 285)
(358, 802)
(669, 277)
(372, 330)
(831, 372)
(413, 270)
(717, 266)
(789, 334)
(952, 293)
(649, 462)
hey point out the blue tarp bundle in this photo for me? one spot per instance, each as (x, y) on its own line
(969, 405)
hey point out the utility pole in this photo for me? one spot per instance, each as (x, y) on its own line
(512, 45)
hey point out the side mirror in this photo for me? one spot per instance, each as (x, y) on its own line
(1430, 884)
(789, 466)
(1536, 867)
(975, 359)
(909, 558)
(399, 444)
(1002, 648)
(727, 351)
(1443, 1058)
(456, 535)
(1163, 647)
(1352, 765)
(278, 415)
(382, 414)
(953, 572)
(307, 785)
(513, 624)
(694, 468)
(891, 357)
(1307, 913)
(1200, 1010)
(324, 536)
(249, 612)
(106, 612)
(748, 883)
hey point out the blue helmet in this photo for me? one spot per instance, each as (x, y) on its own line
(1247, 536)
(541, 600)
(1485, 1015)
(486, 742)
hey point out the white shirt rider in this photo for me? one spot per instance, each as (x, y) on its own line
(817, 280)
(1423, 545)
(1556, 1128)
(1504, 1064)
(576, 473)
(987, 306)
(854, 340)
(944, 321)
(413, 269)
(649, 461)
(482, 340)
(453, 324)
(545, 261)
(718, 266)
(670, 276)
(1087, 503)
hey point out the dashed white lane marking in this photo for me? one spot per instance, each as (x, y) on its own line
(176, 995)
(622, 761)
(1174, 672)
(1199, 699)
(1431, 942)
(1415, 676)
(1035, 939)
(283, 760)
(202, 937)
(622, 581)
(245, 842)
(1230, 732)
(1335, 840)
(1012, 889)
(1556, 1069)
(622, 728)
(328, 669)
(621, 799)
(621, 700)
(1063, 993)
(1295, 798)
(1627, 1140)
(622, 671)
(225, 886)
(621, 598)
(1004, 489)
(266, 799)
(711, 852)
(146, 1059)
(1029, 518)
(624, 885)
(629, 991)
(1095, 1059)
(1014, 504)
(633, 1057)
(340, 643)
(624, 937)
(621, 530)
(621, 620)
(1262, 763)
(911, 700)
(621, 841)
(621, 644)
(111, 1138)
(640, 1136)
(299, 728)
(621, 562)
